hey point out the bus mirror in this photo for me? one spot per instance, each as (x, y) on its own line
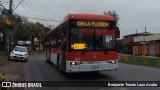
(117, 32)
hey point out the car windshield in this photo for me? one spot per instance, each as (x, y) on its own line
(90, 39)
(20, 49)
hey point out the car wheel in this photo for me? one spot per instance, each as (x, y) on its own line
(26, 60)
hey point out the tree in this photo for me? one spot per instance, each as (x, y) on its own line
(112, 13)
(38, 31)
(21, 30)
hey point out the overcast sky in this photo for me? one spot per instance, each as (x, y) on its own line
(133, 14)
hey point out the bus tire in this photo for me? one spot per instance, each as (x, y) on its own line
(47, 60)
(58, 65)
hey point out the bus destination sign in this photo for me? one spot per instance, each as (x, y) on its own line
(92, 24)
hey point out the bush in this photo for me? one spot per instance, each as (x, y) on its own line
(140, 60)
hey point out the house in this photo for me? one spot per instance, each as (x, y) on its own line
(128, 42)
(148, 45)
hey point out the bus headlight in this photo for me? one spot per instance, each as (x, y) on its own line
(74, 63)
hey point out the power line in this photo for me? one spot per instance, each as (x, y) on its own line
(29, 7)
(39, 12)
(34, 8)
(42, 19)
(3, 6)
(36, 15)
(5, 2)
(18, 5)
(27, 10)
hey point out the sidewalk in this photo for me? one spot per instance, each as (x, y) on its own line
(12, 70)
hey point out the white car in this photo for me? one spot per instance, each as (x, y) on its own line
(19, 53)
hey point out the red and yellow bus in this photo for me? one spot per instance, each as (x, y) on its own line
(83, 43)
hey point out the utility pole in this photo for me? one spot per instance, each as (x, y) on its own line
(10, 7)
(8, 31)
(136, 31)
(10, 16)
(144, 41)
(144, 35)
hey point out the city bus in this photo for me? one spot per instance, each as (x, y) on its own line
(83, 43)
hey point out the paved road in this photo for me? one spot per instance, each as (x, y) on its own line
(36, 69)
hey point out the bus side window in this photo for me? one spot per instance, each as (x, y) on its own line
(54, 42)
(64, 43)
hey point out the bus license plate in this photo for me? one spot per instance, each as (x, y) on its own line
(94, 67)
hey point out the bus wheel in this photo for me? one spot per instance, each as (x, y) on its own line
(47, 60)
(58, 65)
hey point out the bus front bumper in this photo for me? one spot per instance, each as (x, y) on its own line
(75, 66)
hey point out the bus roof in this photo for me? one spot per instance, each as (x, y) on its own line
(89, 16)
(84, 16)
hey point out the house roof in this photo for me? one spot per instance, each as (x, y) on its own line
(138, 34)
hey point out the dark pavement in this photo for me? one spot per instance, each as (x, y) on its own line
(36, 69)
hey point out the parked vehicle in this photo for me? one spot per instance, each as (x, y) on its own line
(19, 53)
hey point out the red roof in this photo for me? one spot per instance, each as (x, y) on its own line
(89, 16)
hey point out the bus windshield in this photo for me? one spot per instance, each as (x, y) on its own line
(91, 39)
